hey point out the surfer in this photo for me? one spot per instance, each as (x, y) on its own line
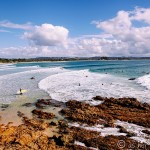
(20, 91)
(32, 78)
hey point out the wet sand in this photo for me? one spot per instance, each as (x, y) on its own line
(24, 105)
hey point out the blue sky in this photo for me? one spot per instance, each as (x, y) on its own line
(74, 15)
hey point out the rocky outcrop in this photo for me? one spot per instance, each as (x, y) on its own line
(146, 131)
(26, 138)
(30, 135)
(84, 113)
(35, 124)
(124, 109)
(4, 106)
(43, 103)
(123, 130)
(53, 123)
(28, 104)
(23, 137)
(94, 140)
(43, 115)
(127, 109)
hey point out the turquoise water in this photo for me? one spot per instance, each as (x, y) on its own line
(132, 68)
(60, 80)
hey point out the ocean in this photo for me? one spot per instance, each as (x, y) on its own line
(79, 80)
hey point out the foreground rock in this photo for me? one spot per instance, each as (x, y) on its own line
(84, 113)
(94, 140)
(127, 109)
(23, 137)
(27, 136)
(124, 109)
(31, 134)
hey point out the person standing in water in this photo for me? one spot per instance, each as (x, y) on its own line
(20, 91)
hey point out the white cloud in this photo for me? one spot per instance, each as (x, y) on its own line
(127, 34)
(96, 36)
(97, 47)
(8, 24)
(33, 51)
(123, 28)
(47, 35)
(20, 51)
(116, 25)
(141, 14)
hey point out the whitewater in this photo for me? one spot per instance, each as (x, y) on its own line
(80, 80)
(84, 85)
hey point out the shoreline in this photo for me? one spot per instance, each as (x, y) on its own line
(59, 124)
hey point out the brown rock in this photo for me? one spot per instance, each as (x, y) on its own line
(146, 131)
(28, 104)
(53, 123)
(42, 103)
(43, 115)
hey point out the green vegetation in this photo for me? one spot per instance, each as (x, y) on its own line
(16, 60)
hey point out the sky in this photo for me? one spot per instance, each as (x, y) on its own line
(74, 28)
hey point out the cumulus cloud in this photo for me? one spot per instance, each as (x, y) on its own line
(33, 51)
(140, 14)
(97, 47)
(127, 34)
(20, 51)
(48, 35)
(123, 28)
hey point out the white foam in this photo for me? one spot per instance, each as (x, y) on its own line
(6, 66)
(144, 81)
(11, 83)
(99, 128)
(79, 143)
(82, 144)
(93, 102)
(137, 130)
(133, 128)
(55, 70)
(83, 85)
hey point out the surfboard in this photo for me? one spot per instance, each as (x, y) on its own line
(22, 91)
